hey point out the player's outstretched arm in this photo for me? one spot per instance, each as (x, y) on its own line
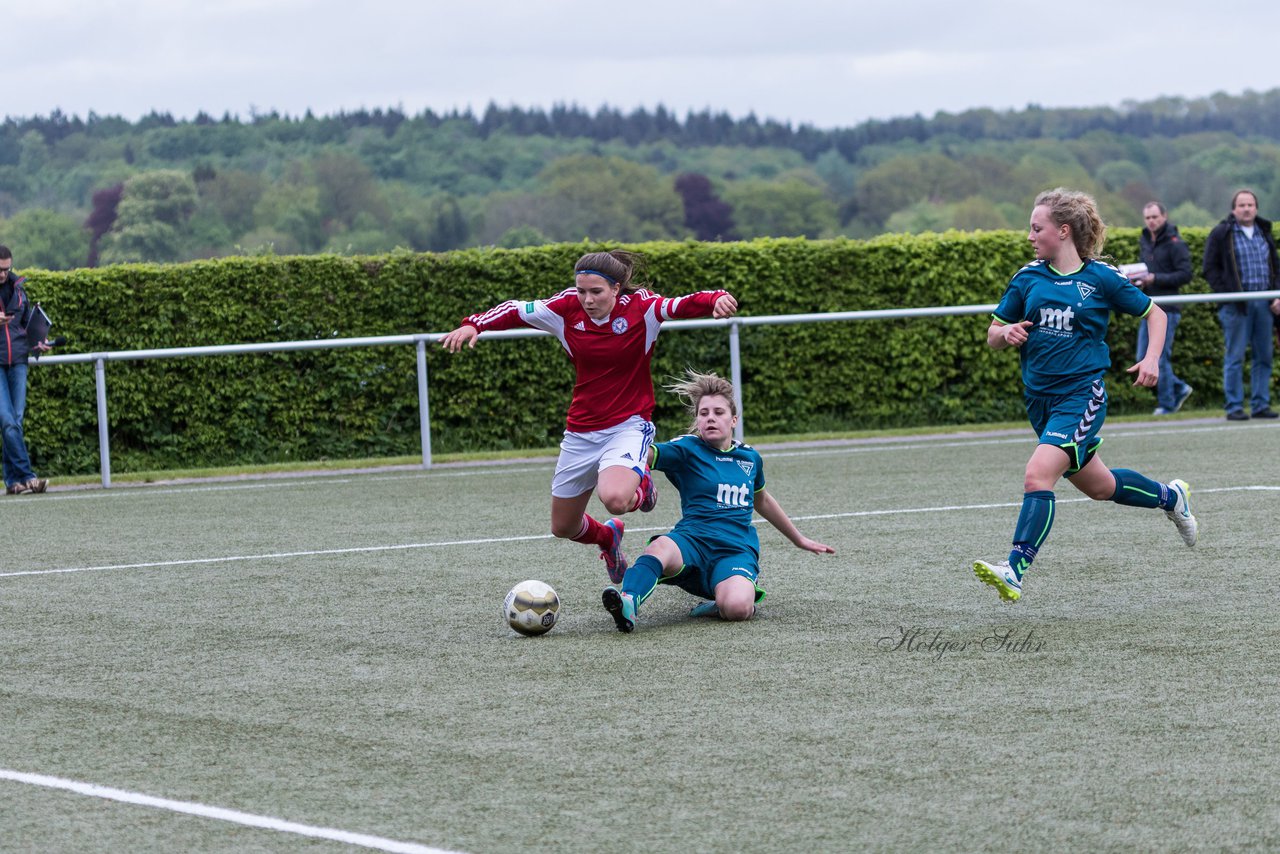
(464, 334)
(768, 507)
(726, 306)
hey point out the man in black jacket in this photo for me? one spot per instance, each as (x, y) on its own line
(1168, 263)
(15, 309)
(1240, 255)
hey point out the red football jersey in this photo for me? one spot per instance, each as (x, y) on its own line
(611, 357)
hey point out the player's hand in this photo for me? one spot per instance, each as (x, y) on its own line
(1148, 371)
(466, 334)
(815, 546)
(726, 306)
(1016, 334)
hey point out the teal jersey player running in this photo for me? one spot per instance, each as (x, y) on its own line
(714, 550)
(1066, 347)
(1055, 311)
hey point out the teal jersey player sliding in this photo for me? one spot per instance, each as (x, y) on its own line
(1055, 312)
(714, 550)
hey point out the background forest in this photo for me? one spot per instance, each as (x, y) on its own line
(102, 190)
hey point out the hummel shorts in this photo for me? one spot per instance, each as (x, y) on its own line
(584, 455)
(1071, 421)
(706, 564)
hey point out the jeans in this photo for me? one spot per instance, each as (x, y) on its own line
(1168, 388)
(1249, 328)
(13, 405)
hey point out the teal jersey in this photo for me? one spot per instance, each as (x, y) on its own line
(1070, 312)
(717, 489)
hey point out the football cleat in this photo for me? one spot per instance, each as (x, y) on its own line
(648, 493)
(1000, 576)
(1180, 515)
(621, 606)
(615, 562)
(705, 609)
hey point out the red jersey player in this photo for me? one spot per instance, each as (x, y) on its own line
(608, 326)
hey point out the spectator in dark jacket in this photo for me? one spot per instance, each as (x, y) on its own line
(15, 310)
(1168, 263)
(1240, 255)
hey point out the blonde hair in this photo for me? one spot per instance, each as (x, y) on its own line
(1079, 212)
(695, 386)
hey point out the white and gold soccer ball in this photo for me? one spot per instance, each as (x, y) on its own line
(531, 608)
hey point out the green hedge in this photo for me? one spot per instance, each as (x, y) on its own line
(513, 394)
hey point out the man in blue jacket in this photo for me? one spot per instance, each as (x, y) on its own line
(1240, 255)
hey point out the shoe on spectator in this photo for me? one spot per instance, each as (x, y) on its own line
(15, 489)
(1237, 415)
(1265, 412)
(1160, 410)
(1182, 397)
(36, 484)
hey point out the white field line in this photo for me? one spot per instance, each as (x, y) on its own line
(1028, 439)
(284, 483)
(220, 814)
(894, 511)
(855, 447)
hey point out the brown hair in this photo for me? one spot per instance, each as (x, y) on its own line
(1079, 212)
(618, 264)
(695, 386)
(1241, 192)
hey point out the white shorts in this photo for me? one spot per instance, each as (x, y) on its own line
(584, 455)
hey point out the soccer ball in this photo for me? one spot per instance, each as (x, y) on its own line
(531, 608)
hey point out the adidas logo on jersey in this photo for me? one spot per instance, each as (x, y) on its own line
(580, 326)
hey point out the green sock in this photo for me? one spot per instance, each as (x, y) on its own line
(642, 576)
(1137, 490)
(1034, 521)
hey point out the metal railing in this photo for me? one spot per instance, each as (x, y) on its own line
(420, 341)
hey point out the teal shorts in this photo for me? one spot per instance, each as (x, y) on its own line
(1071, 421)
(707, 564)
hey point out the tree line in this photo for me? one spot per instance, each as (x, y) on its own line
(80, 192)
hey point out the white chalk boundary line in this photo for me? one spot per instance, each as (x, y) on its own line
(142, 491)
(855, 446)
(895, 511)
(220, 814)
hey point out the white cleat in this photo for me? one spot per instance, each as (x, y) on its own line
(1180, 515)
(1000, 576)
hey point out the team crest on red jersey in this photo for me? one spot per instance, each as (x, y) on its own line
(620, 326)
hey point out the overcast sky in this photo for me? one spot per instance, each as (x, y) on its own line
(828, 63)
